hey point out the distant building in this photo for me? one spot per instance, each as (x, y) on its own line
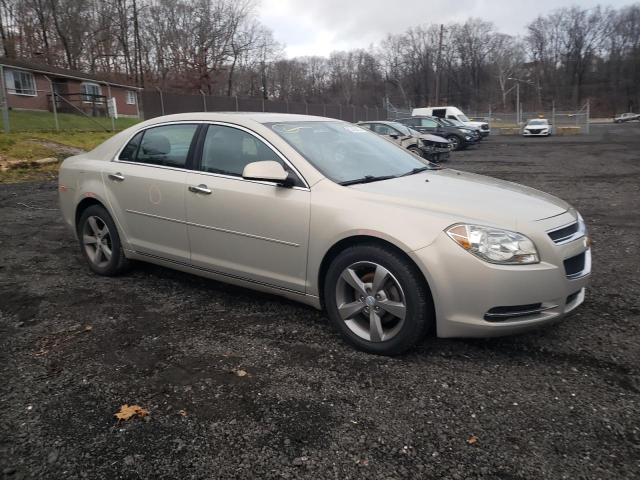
(28, 86)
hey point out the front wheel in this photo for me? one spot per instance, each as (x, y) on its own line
(416, 151)
(378, 300)
(100, 242)
(455, 142)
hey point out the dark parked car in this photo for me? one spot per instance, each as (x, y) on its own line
(431, 147)
(459, 138)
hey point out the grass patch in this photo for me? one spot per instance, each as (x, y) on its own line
(27, 121)
(17, 175)
(29, 146)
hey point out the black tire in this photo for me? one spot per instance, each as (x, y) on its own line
(459, 143)
(419, 313)
(112, 265)
(416, 150)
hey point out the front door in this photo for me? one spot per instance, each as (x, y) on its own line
(146, 188)
(257, 231)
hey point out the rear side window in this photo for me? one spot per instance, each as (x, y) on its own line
(167, 145)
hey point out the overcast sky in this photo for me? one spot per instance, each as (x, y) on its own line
(318, 27)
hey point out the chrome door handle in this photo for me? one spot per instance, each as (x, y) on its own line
(202, 188)
(118, 177)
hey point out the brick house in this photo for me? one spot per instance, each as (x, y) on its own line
(28, 86)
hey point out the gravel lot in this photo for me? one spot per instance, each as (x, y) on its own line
(559, 403)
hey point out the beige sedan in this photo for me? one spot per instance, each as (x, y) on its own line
(332, 215)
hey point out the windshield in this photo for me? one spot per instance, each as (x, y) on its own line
(346, 153)
(537, 122)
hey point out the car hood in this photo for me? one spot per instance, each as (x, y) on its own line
(476, 124)
(433, 138)
(467, 197)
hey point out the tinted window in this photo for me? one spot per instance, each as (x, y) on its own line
(228, 150)
(425, 122)
(129, 152)
(382, 129)
(167, 145)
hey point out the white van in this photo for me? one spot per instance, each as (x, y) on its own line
(453, 113)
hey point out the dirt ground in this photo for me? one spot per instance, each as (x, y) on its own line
(560, 403)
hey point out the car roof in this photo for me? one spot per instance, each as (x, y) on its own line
(238, 117)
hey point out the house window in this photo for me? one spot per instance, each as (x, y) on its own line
(20, 83)
(131, 97)
(91, 92)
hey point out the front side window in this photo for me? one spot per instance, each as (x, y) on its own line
(344, 152)
(20, 83)
(91, 92)
(167, 145)
(228, 150)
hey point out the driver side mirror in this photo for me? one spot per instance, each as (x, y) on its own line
(268, 171)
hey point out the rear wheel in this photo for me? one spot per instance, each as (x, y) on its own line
(378, 301)
(100, 242)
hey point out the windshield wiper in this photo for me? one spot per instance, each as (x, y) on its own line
(421, 169)
(367, 179)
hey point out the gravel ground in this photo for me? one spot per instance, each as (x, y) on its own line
(562, 402)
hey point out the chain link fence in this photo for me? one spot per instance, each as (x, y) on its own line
(157, 102)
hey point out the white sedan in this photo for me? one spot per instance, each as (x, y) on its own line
(538, 127)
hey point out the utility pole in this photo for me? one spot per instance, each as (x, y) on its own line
(518, 102)
(437, 100)
(137, 47)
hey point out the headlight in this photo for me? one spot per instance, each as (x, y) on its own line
(494, 245)
(468, 137)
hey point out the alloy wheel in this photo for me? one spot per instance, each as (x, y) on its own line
(370, 301)
(97, 242)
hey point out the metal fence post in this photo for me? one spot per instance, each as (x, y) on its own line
(53, 104)
(161, 100)
(263, 104)
(366, 113)
(353, 107)
(236, 97)
(377, 113)
(553, 115)
(4, 102)
(324, 109)
(588, 113)
(204, 100)
(306, 108)
(340, 114)
(287, 104)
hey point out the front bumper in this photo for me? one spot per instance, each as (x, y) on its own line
(465, 289)
(436, 154)
(527, 133)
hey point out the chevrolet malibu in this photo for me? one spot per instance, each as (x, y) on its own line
(332, 215)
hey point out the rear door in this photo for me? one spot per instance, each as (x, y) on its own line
(146, 189)
(253, 230)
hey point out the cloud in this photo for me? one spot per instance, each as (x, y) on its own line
(318, 27)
